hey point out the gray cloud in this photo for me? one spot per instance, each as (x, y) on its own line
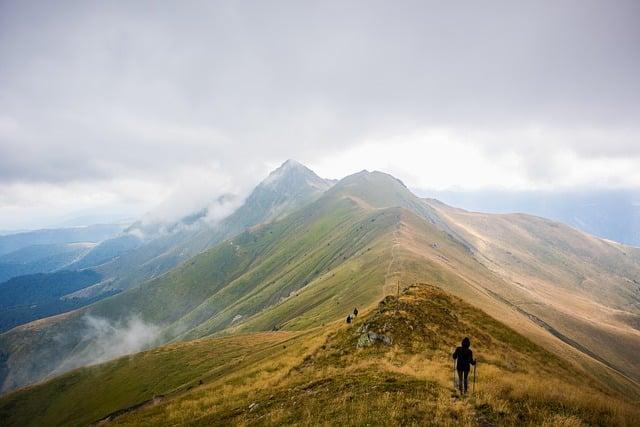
(95, 91)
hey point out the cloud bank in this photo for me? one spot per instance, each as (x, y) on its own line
(120, 105)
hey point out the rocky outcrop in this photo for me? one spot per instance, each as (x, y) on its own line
(367, 338)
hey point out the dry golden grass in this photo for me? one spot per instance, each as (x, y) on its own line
(324, 379)
(321, 377)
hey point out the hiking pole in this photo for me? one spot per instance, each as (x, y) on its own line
(455, 386)
(474, 378)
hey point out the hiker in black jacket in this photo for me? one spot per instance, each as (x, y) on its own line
(464, 357)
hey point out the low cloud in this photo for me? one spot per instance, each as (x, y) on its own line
(222, 208)
(105, 340)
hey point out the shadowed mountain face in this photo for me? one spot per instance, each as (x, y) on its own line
(34, 296)
(146, 250)
(164, 246)
(41, 258)
(91, 233)
(366, 237)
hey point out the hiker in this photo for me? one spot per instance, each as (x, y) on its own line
(349, 319)
(355, 312)
(464, 357)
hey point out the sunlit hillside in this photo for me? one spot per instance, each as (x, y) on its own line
(391, 366)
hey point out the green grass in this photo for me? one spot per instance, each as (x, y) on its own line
(89, 394)
(322, 377)
(244, 276)
(303, 274)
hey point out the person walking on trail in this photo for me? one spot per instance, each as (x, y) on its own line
(464, 359)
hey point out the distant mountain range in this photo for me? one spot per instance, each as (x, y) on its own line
(301, 251)
(610, 214)
(42, 258)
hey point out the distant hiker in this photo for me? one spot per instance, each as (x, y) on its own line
(349, 319)
(355, 312)
(464, 357)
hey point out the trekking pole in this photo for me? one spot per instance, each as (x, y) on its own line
(398, 297)
(474, 378)
(455, 387)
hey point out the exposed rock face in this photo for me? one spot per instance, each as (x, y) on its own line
(368, 338)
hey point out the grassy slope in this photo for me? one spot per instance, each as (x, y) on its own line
(243, 276)
(348, 249)
(286, 190)
(91, 393)
(583, 288)
(324, 377)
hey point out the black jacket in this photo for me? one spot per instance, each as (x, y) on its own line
(464, 356)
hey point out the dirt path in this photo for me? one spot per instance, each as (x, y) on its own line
(391, 283)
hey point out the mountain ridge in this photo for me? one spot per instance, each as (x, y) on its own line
(365, 237)
(390, 367)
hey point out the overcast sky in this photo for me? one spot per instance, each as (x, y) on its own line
(118, 106)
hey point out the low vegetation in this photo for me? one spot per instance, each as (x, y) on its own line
(391, 366)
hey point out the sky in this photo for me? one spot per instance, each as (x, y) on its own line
(111, 109)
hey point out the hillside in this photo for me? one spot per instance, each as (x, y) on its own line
(366, 237)
(391, 367)
(612, 214)
(91, 233)
(164, 246)
(263, 267)
(40, 259)
(584, 290)
(34, 296)
(148, 249)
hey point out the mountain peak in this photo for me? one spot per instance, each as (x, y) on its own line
(287, 188)
(291, 172)
(291, 163)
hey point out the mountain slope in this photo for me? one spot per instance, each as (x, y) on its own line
(365, 237)
(612, 214)
(286, 189)
(34, 296)
(392, 367)
(90, 233)
(41, 259)
(145, 251)
(583, 289)
(257, 269)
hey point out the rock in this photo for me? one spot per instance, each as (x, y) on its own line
(370, 337)
(363, 341)
(253, 406)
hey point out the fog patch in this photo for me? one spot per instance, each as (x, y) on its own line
(222, 208)
(105, 340)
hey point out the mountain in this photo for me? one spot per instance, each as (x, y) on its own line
(106, 251)
(30, 297)
(364, 238)
(165, 246)
(584, 290)
(391, 367)
(149, 248)
(255, 270)
(610, 214)
(89, 233)
(41, 258)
